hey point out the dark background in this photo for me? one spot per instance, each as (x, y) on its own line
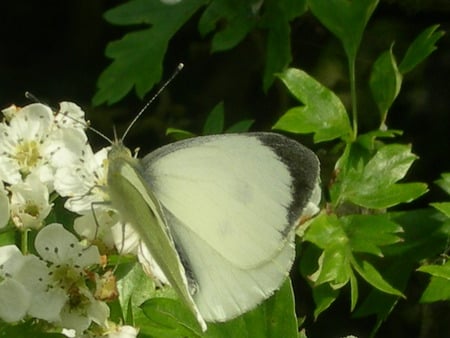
(55, 49)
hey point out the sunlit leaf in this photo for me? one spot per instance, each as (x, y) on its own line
(322, 113)
(385, 82)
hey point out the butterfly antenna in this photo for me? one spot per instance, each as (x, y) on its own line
(143, 109)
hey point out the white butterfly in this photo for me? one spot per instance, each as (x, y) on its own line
(218, 214)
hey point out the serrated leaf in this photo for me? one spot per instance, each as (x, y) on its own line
(215, 121)
(385, 82)
(137, 57)
(421, 48)
(373, 277)
(374, 185)
(322, 114)
(345, 19)
(367, 233)
(441, 271)
(236, 19)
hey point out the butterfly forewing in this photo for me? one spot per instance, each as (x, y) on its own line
(137, 206)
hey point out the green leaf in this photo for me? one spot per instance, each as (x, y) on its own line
(138, 56)
(367, 233)
(240, 127)
(443, 207)
(437, 290)
(277, 14)
(421, 48)
(386, 197)
(179, 134)
(441, 271)
(129, 296)
(236, 19)
(215, 122)
(323, 296)
(272, 319)
(373, 185)
(327, 233)
(373, 277)
(385, 82)
(444, 182)
(368, 140)
(345, 19)
(323, 113)
(168, 318)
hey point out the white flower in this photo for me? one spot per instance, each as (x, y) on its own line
(31, 142)
(97, 229)
(15, 299)
(126, 331)
(70, 115)
(60, 294)
(4, 207)
(84, 181)
(29, 203)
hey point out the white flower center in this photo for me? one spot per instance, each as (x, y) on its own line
(27, 155)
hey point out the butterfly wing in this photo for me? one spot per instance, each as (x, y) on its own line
(231, 203)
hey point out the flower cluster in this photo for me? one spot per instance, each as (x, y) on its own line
(59, 281)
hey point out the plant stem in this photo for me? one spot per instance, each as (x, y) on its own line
(351, 67)
(24, 242)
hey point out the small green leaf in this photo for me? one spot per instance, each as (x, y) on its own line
(385, 82)
(323, 296)
(444, 182)
(236, 19)
(215, 122)
(323, 113)
(345, 19)
(137, 57)
(421, 48)
(179, 134)
(437, 290)
(241, 126)
(373, 277)
(443, 207)
(441, 271)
